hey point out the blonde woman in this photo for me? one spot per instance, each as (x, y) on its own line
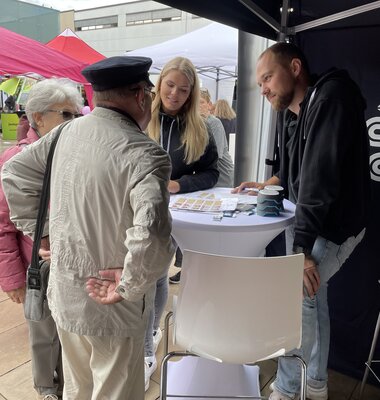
(178, 126)
(227, 115)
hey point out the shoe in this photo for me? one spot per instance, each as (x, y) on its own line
(157, 336)
(277, 395)
(317, 394)
(175, 278)
(49, 396)
(311, 393)
(150, 367)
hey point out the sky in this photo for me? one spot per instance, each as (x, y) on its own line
(63, 5)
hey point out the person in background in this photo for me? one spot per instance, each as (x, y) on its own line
(225, 164)
(109, 229)
(22, 128)
(227, 115)
(10, 103)
(323, 149)
(50, 103)
(181, 131)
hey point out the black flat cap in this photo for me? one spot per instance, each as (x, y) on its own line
(117, 71)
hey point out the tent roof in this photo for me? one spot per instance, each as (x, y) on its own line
(209, 48)
(20, 55)
(70, 44)
(249, 15)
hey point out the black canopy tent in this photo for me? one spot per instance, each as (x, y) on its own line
(341, 33)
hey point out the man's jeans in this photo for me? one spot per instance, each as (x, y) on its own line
(315, 321)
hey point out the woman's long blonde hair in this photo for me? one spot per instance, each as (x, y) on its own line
(195, 137)
(224, 110)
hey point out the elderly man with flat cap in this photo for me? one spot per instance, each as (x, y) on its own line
(109, 229)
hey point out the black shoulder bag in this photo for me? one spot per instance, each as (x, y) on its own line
(37, 276)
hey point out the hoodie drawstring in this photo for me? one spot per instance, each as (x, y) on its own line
(169, 136)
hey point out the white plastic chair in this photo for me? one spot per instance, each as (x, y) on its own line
(233, 310)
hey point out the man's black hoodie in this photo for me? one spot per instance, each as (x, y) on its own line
(324, 163)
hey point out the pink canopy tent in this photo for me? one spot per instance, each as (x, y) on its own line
(70, 44)
(20, 55)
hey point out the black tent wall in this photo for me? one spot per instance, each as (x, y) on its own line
(354, 293)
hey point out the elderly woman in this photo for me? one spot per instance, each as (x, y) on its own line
(50, 103)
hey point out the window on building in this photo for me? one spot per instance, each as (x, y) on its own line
(96, 23)
(153, 16)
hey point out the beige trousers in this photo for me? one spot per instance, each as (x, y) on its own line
(102, 367)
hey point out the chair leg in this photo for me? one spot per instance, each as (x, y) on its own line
(164, 369)
(303, 375)
(166, 338)
(370, 357)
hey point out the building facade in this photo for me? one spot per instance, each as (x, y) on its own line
(113, 30)
(36, 22)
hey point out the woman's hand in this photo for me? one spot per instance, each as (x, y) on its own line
(44, 251)
(174, 187)
(17, 295)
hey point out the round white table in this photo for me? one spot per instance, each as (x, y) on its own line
(245, 235)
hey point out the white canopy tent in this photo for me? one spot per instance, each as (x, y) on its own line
(212, 49)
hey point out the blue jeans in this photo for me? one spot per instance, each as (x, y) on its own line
(315, 321)
(160, 300)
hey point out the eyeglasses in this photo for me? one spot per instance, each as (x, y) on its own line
(66, 115)
(148, 89)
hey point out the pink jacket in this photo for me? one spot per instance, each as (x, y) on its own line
(15, 248)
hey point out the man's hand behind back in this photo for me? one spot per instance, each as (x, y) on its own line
(103, 289)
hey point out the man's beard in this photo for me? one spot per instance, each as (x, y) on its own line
(282, 102)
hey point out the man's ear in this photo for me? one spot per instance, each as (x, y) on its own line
(140, 98)
(296, 66)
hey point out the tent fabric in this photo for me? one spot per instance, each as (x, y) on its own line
(10, 85)
(20, 55)
(70, 44)
(212, 49)
(235, 13)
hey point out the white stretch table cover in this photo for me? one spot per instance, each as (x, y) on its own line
(245, 235)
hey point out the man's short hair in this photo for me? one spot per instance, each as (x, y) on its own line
(286, 52)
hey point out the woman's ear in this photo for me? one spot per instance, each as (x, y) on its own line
(38, 118)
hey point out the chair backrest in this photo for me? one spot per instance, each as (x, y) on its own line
(239, 309)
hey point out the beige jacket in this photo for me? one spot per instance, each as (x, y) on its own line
(108, 208)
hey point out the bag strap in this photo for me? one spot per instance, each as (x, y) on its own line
(44, 200)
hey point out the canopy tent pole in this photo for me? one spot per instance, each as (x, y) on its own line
(250, 107)
(217, 84)
(334, 17)
(255, 9)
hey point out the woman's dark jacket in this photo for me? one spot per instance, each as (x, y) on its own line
(199, 175)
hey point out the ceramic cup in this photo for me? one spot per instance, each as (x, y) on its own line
(278, 189)
(268, 203)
